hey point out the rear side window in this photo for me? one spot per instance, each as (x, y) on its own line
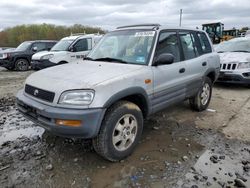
(40, 46)
(168, 43)
(189, 46)
(205, 44)
(83, 45)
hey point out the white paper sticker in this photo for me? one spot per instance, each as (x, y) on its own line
(145, 34)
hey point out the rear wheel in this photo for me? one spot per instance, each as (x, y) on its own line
(22, 65)
(202, 99)
(120, 131)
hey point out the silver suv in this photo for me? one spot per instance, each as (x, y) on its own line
(132, 73)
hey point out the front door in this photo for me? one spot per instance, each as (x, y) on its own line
(169, 80)
(81, 49)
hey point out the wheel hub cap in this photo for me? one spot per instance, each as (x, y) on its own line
(124, 133)
(205, 94)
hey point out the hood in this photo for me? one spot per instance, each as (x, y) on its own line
(235, 57)
(10, 51)
(38, 55)
(83, 75)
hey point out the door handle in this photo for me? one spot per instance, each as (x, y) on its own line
(182, 70)
(204, 64)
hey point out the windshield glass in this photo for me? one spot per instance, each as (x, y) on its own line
(129, 46)
(234, 46)
(24, 46)
(62, 45)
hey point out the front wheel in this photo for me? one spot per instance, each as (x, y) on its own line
(201, 100)
(120, 131)
(22, 65)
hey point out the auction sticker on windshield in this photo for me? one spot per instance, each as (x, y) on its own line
(145, 34)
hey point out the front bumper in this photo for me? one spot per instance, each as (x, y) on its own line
(45, 116)
(6, 63)
(41, 64)
(240, 78)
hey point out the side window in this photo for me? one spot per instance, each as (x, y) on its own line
(83, 45)
(40, 46)
(50, 45)
(168, 43)
(205, 44)
(189, 47)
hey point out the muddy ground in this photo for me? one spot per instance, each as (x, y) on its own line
(179, 147)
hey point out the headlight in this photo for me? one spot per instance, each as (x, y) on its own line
(245, 65)
(5, 55)
(49, 56)
(77, 97)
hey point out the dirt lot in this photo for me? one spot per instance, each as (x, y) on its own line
(179, 148)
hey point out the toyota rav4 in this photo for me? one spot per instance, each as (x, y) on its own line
(132, 73)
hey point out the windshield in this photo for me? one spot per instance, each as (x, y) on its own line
(129, 46)
(234, 46)
(62, 45)
(24, 46)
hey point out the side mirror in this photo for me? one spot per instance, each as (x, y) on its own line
(34, 49)
(164, 59)
(72, 49)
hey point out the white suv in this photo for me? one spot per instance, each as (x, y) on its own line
(67, 50)
(132, 73)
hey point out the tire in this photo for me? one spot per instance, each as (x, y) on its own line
(9, 68)
(22, 65)
(202, 99)
(120, 131)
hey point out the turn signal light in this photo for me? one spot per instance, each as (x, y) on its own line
(70, 123)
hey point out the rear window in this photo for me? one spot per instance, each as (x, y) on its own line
(204, 42)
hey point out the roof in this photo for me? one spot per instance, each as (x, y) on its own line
(74, 37)
(212, 23)
(31, 41)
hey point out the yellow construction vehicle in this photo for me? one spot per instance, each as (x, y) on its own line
(215, 31)
(230, 34)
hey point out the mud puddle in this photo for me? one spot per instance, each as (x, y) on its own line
(15, 126)
(171, 153)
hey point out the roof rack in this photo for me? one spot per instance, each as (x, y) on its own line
(76, 34)
(139, 25)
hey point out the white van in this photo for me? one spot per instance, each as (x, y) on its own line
(67, 50)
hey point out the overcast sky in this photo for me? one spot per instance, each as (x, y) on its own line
(109, 14)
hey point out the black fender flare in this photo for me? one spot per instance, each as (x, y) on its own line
(128, 92)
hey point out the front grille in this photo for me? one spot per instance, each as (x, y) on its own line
(39, 93)
(228, 66)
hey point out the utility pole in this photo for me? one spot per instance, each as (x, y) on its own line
(180, 17)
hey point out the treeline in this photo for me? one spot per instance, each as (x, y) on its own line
(12, 37)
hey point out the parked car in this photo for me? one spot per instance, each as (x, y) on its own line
(66, 50)
(235, 61)
(247, 34)
(132, 73)
(20, 58)
(6, 48)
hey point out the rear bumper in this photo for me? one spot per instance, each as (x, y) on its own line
(41, 64)
(243, 78)
(45, 116)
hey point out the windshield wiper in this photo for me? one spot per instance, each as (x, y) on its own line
(220, 52)
(241, 51)
(110, 59)
(88, 58)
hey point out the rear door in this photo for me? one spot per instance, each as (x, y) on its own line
(196, 63)
(169, 80)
